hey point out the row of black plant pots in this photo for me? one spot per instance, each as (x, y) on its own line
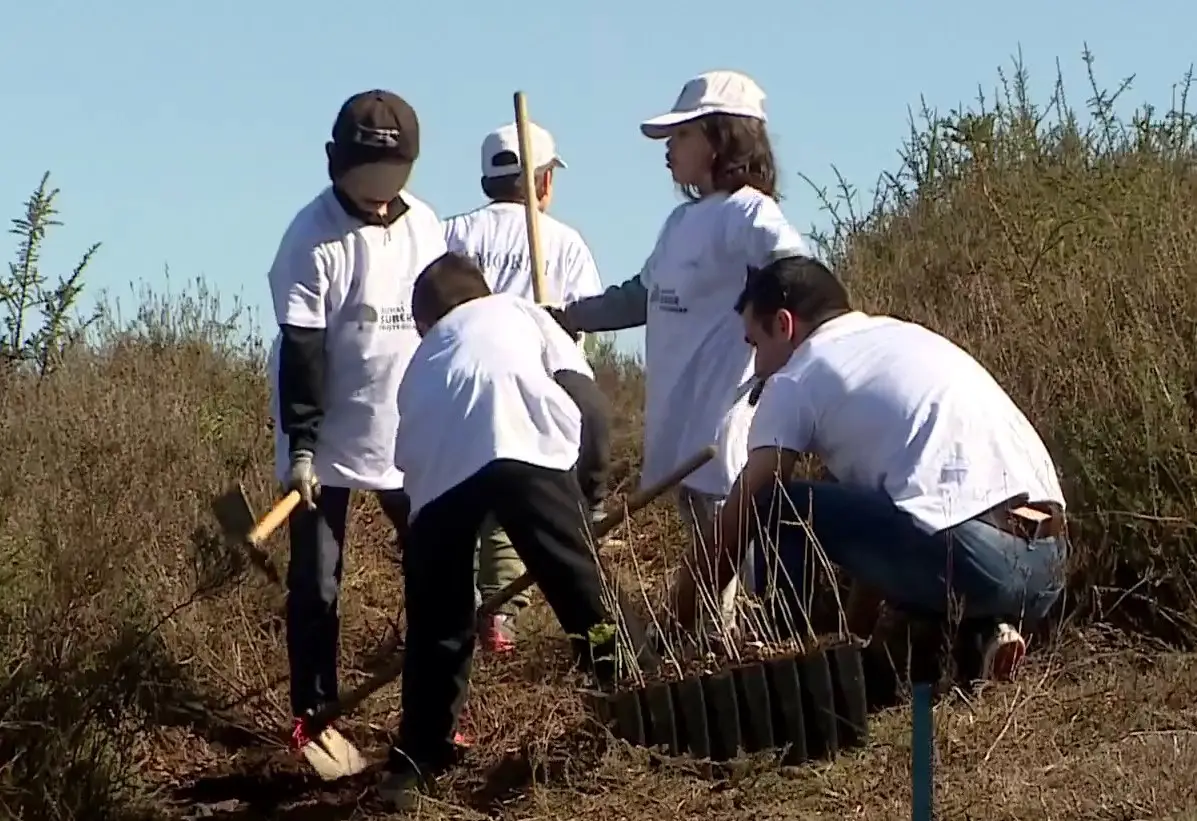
(811, 705)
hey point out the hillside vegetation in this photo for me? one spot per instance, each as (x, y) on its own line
(140, 658)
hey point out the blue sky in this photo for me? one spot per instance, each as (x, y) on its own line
(188, 133)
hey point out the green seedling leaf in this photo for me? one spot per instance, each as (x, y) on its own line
(601, 633)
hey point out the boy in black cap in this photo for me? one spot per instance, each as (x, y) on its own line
(341, 283)
(375, 142)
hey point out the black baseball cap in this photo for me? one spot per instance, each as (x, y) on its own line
(376, 138)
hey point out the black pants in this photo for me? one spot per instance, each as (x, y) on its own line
(548, 521)
(313, 582)
(594, 460)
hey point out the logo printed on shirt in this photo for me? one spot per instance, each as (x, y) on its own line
(666, 299)
(394, 318)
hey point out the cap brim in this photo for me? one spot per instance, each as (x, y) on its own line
(658, 128)
(515, 171)
(379, 181)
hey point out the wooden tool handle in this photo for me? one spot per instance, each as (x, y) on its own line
(644, 497)
(531, 205)
(608, 523)
(349, 702)
(315, 722)
(271, 521)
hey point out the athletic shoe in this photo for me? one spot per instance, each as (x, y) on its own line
(597, 514)
(400, 788)
(498, 635)
(299, 735)
(464, 740)
(1004, 653)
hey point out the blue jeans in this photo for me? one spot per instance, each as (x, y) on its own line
(974, 566)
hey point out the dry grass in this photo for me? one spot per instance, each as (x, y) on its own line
(144, 666)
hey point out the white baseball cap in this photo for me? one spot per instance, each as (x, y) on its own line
(507, 139)
(715, 92)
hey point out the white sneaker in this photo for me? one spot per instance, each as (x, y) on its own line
(597, 514)
(1003, 654)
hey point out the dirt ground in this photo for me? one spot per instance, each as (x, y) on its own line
(1097, 728)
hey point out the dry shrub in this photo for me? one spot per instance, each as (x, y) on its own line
(120, 604)
(1063, 255)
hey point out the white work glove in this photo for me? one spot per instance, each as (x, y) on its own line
(302, 477)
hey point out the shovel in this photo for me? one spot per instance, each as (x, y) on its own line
(332, 765)
(238, 524)
(331, 755)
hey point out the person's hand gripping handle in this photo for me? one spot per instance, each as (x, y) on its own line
(302, 478)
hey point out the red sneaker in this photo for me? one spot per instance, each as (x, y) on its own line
(498, 635)
(299, 735)
(463, 737)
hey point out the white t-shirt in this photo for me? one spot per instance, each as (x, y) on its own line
(496, 237)
(892, 406)
(698, 368)
(479, 388)
(354, 280)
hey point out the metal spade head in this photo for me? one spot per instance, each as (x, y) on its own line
(333, 756)
(233, 513)
(236, 520)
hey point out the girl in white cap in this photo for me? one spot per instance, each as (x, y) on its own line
(698, 367)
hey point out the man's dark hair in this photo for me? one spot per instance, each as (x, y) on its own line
(449, 281)
(801, 285)
(511, 187)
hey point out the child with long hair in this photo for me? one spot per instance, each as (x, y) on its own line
(698, 366)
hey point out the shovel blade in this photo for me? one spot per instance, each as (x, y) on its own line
(236, 519)
(333, 756)
(234, 514)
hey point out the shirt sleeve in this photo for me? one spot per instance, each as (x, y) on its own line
(625, 305)
(760, 233)
(783, 418)
(298, 283)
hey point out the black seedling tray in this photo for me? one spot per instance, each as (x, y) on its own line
(811, 705)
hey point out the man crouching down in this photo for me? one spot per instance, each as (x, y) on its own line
(487, 425)
(947, 500)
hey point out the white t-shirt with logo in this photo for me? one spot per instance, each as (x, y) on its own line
(355, 281)
(496, 237)
(479, 388)
(892, 406)
(698, 368)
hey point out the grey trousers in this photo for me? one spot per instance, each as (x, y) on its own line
(313, 582)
